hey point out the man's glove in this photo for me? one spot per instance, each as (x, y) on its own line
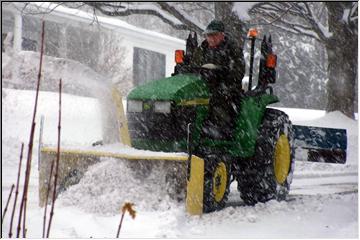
(210, 66)
(211, 72)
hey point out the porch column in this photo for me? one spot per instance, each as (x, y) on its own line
(17, 31)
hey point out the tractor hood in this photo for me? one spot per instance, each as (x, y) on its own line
(176, 88)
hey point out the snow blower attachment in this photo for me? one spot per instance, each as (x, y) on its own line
(74, 163)
(259, 156)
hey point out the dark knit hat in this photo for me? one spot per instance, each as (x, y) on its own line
(214, 27)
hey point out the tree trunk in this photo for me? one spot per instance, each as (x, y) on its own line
(342, 81)
(342, 51)
(233, 25)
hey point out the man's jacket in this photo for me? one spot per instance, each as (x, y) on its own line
(224, 84)
(230, 58)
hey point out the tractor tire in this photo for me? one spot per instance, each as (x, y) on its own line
(216, 183)
(269, 173)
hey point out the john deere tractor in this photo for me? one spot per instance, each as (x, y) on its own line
(168, 115)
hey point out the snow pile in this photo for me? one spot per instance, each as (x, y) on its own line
(320, 169)
(115, 184)
(338, 120)
(79, 114)
(333, 120)
(321, 216)
(323, 197)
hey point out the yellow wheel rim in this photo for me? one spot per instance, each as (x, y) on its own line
(282, 159)
(219, 181)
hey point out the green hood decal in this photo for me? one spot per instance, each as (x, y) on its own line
(177, 88)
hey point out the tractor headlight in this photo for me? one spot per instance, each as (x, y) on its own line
(162, 107)
(134, 106)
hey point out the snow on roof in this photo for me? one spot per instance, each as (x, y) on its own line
(242, 9)
(109, 22)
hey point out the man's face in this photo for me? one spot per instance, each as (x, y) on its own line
(214, 39)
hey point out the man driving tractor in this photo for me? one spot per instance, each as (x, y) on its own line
(223, 67)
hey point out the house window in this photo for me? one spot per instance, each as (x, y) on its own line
(147, 65)
(28, 45)
(83, 45)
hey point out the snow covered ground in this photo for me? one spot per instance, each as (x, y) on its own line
(323, 201)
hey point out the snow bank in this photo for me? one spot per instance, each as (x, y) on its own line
(79, 115)
(338, 120)
(323, 200)
(332, 120)
(117, 183)
(323, 216)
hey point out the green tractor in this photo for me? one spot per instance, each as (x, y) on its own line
(168, 115)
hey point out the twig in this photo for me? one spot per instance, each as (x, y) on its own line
(40, 140)
(47, 195)
(277, 18)
(24, 218)
(57, 164)
(17, 190)
(121, 220)
(7, 204)
(126, 207)
(31, 141)
(38, 11)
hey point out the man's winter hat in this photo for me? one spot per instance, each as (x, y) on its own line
(214, 27)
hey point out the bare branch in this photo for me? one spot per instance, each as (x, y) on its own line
(31, 142)
(7, 204)
(315, 23)
(126, 11)
(278, 17)
(353, 15)
(57, 164)
(16, 191)
(281, 15)
(200, 6)
(296, 32)
(191, 25)
(301, 9)
(28, 9)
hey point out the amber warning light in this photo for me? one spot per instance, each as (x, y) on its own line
(252, 32)
(271, 61)
(179, 56)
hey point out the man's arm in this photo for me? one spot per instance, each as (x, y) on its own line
(236, 69)
(197, 60)
(237, 64)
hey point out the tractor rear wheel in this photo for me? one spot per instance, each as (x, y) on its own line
(216, 183)
(268, 174)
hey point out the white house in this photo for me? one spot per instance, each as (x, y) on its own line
(78, 35)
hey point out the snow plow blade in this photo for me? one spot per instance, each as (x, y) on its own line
(321, 144)
(74, 163)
